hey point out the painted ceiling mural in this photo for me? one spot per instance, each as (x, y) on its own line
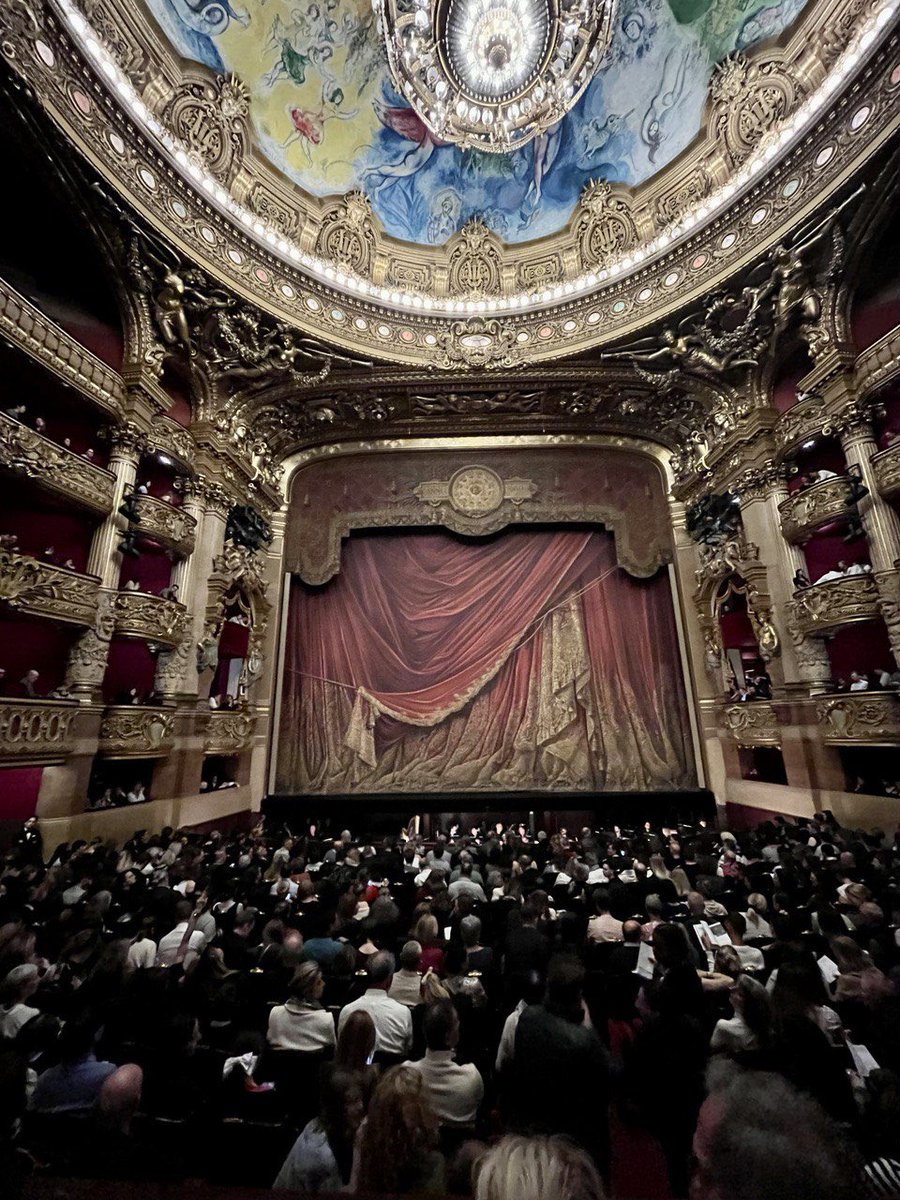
(326, 114)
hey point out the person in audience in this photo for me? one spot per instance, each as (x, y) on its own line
(321, 1159)
(183, 944)
(136, 794)
(750, 958)
(858, 682)
(17, 989)
(396, 1148)
(454, 1091)
(536, 1168)
(750, 1028)
(407, 982)
(427, 934)
(28, 683)
(301, 1023)
(603, 926)
(81, 1083)
(393, 1023)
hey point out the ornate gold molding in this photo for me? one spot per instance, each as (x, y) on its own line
(805, 510)
(40, 589)
(878, 364)
(694, 260)
(754, 723)
(53, 467)
(861, 718)
(825, 607)
(228, 732)
(25, 326)
(141, 615)
(165, 523)
(886, 465)
(130, 731)
(36, 731)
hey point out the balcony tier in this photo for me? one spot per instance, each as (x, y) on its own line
(130, 731)
(165, 523)
(54, 468)
(143, 615)
(39, 589)
(825, 607)
(886, 465)
(860, 718)
(754, 723)
(228, 732)
(34, 732)
(807, 510)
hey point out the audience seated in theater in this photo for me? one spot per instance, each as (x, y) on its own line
(393, 1023)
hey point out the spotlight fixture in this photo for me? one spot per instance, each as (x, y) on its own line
(493, 74)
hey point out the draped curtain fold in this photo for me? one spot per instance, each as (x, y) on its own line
(527, 661)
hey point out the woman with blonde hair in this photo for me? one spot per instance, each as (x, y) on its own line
(536, 1168)
(426, 934)
(396, 1149)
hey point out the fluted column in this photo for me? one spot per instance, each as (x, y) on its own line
(803, 661)
(128, 444)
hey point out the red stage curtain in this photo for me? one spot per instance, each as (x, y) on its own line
(530, 660)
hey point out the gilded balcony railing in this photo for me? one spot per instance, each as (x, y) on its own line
(39, 589)
(860, 718)
(164, 523)
(228, 732)
(754, 723)
(35, 731)
(54, 468)
(825, 607)
(807, 510)
(131, 731)
(143, 615)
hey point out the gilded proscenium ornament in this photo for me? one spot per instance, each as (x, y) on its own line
(142, 615)
(25, 326)
(54, 468)
(40, 589)
(860, 718)
(804, 511)
(754, 723)
(886, 465)
(825, 607)
(130, 731)
(228, 732)
(36, 731)
(165, 523)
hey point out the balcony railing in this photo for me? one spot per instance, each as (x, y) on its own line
(825, 607)
(130, 731)
(807, 510)
(860, 718)
(886, 465)
(165, 523)
(754, 723)
(228, 732)
(36, 731)
(143, 615)
(53, 467)
(39, 589)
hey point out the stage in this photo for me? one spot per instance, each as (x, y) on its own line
(387, 813)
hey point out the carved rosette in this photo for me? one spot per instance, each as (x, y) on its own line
(804, 511)
(53, 467)
(753, 724)
(228, 732)
(35, 731)
(475, 261)
(347, 235)
(128, 731)
(749, 100)
(862, 718)
(165, 523)
(42, 590)
(886, 466)
(825, 607)
(141, 615)
(604, 225)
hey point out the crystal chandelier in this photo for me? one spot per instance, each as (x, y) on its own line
(493, 74)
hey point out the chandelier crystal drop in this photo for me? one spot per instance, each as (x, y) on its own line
(493, 74)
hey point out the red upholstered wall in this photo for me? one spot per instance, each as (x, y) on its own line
(864, 648)
(826, 453)
(131, 665)
(824, 551)
(41, 645)
(152, 571)
(875, 316)
(19, 788)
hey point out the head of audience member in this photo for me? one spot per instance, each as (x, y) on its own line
(750, 1000)
(670, 946)
(441, 1026)
(431, 988)
(727, 962)
(470, 932)
(19, 985)
(342, 1107)
(744, 1148)
(396, 1146)
(631, 932)
(410, 956)
(536, 1168)
(308, 983)
(565, 981)
(601, 902)
(696, 903)
(380, 970)
(356, 1044)
(426, 930)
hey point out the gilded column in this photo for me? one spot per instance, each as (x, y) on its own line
(128, 444)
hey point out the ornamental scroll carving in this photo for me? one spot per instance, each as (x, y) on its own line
(347, 234)
(749, 99)
(804, 511)
(886, 465)
(210, 118)
(228, 732)
(475, 261)
(604, 225)
(826, 606)
(138, 614)
(42, 590)
(54, 467)
(754, 723)
(867, 718)
(132, 732)
(165, 522)
(35, 730)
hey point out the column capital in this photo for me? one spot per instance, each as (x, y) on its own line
(761, 482)
(128, 440)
